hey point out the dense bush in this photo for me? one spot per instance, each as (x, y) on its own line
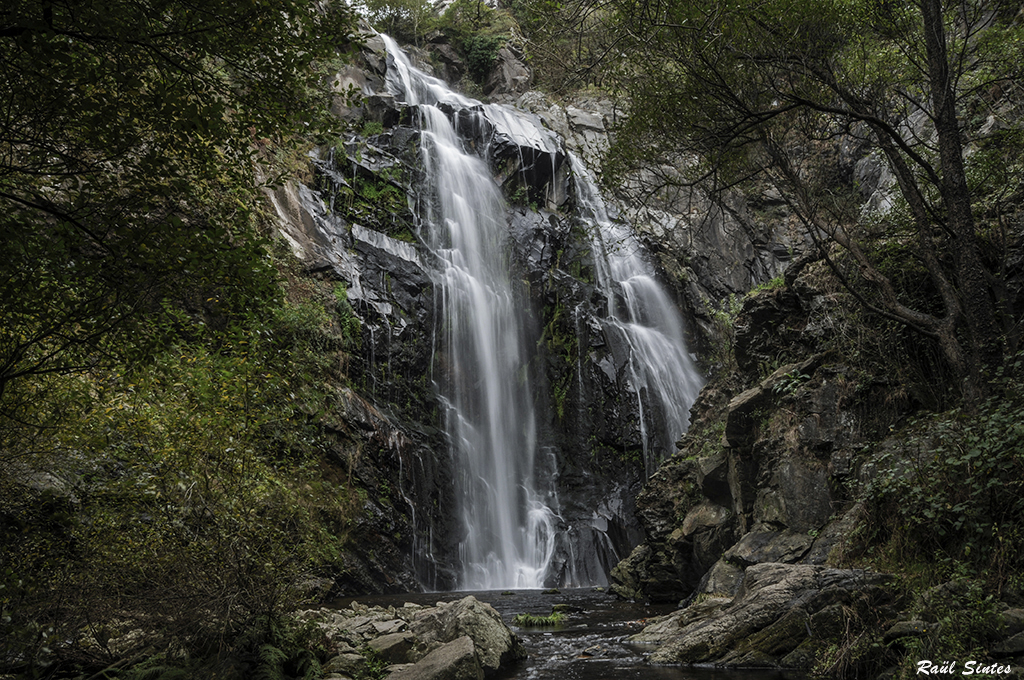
(951, 494)
(182, 502)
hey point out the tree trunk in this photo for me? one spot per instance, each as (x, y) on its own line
(971, 281)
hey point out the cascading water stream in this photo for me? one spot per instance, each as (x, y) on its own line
(640, 309)
(508, 523)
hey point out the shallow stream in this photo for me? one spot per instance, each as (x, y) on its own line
(591, 644)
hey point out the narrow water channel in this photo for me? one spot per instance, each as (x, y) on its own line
(591, 644)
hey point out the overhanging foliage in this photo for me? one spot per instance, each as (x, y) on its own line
(128, 147)
(723, 93)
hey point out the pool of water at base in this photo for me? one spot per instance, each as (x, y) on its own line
(592, 644)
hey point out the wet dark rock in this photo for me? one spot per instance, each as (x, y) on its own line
(382, 108)
(670, 568)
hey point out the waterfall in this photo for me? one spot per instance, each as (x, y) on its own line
(639, 308)
(508, 522)
(505, 485)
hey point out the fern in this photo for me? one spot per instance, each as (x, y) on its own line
(271, 662)
(309, 667)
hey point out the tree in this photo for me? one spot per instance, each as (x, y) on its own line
(568, 41)
(722, 91)
(129, 133)
(404, 20)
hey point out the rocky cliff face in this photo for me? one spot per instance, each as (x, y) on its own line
(707, 250)
(766, 473)
(355, 225)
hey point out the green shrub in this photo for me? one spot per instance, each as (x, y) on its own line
(479, 32)
(952, 493)
(482, 53)
(532, 621)
(186, 501)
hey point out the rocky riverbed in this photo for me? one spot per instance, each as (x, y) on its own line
(416, 636)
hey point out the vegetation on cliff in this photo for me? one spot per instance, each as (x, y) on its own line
(475, 30)
(725, 92)
(164, 482)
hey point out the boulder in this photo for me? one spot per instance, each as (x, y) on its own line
(1012, 621)
(349, 663)
(496, 644)
(456, 660)
(769, 546)
(1011, 646)
(509, 75)
(395, 648)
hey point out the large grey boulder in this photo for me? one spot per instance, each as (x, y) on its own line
(395, 648)
(450, 641)
(349, 663)
(456, 660)
(495, 643)
(768, 546)
(509, 75)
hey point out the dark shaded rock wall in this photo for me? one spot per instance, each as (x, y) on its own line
(766, 472)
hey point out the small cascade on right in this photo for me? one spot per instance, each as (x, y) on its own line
(662, 375)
